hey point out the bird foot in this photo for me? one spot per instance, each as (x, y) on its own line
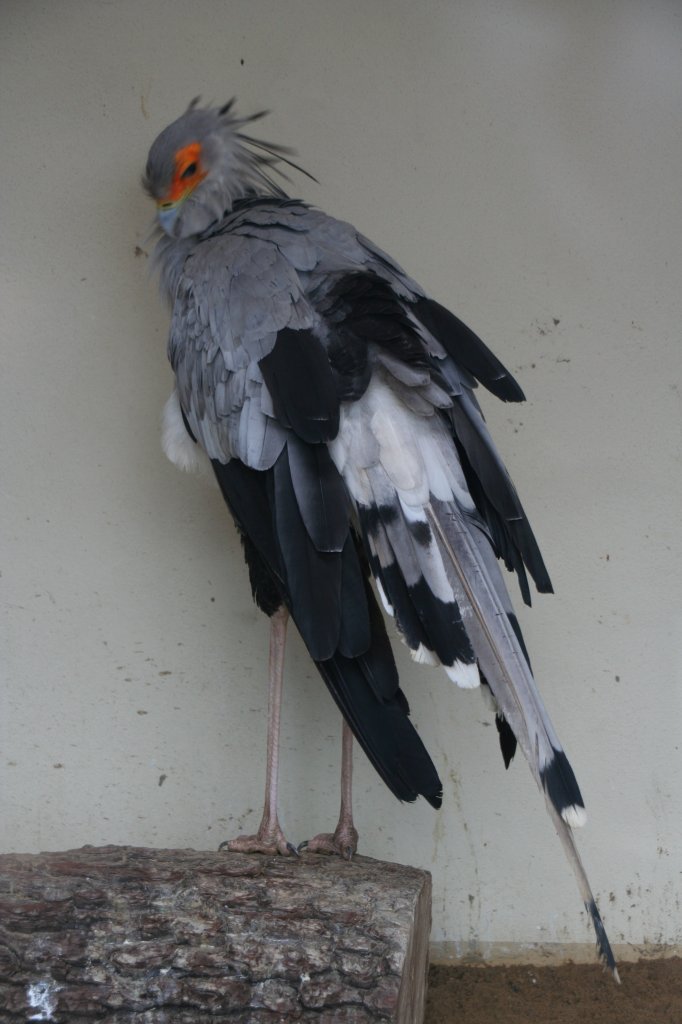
(342, 843)
(269, 839)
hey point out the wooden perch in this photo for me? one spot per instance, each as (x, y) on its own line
(122, 934)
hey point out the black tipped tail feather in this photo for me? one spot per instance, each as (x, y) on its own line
(561, 787)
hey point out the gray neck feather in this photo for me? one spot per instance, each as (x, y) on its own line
(169, 258)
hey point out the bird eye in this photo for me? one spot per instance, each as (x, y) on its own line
(187, 172)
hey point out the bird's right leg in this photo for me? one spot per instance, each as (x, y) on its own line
(269, 838)
(344, 840)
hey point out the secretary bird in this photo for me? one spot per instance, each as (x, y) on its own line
(336, 403)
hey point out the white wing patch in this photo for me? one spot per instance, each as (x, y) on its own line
(177, 445)
(414, 451)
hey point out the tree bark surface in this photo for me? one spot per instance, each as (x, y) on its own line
(122, 934)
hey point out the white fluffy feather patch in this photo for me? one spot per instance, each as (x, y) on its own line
(466, 676)
(574, 816)
(423, 656)
(177, 445)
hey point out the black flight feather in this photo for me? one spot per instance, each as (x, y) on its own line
(382, 729)
(313, 577)
(495, 494)
(321, 494)
(355, 635)
(467, 349)
(266, 592)
(301, 384)
(247, 496)
(360, 673)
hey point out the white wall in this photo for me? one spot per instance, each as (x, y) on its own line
(522, 159)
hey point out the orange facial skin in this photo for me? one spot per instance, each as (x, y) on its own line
(186, 176)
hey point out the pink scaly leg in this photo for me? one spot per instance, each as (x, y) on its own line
(344, 841)
(269, 838)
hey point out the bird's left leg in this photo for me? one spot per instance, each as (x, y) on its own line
(344, 840)
(269, 838)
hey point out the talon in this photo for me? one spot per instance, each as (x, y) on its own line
(269, 840)
(340, 843)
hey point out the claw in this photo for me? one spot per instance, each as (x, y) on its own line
(269, 840)
(343, 843)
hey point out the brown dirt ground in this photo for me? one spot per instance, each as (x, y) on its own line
(650, 993)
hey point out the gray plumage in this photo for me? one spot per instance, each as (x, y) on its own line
(306, 354)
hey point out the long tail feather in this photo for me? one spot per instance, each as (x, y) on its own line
(479, 587)
(480, 590)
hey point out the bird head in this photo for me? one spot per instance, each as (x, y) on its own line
(203, 162)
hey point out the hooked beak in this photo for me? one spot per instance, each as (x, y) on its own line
(167, 214)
